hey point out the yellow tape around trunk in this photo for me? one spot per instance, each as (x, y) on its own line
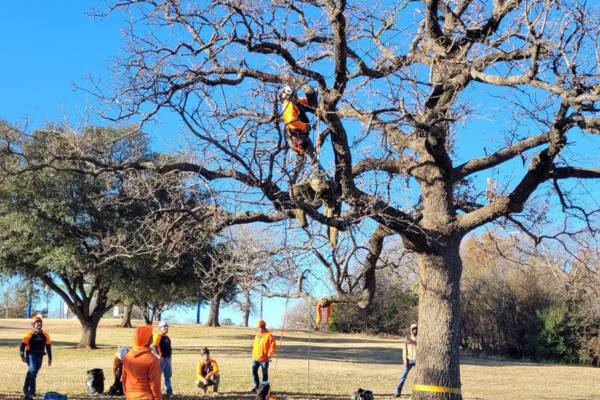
(435, 389)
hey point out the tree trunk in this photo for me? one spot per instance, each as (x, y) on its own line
(439, 324)
(246, 308)
(213, 314)
(148, 313)
(88, 334)
(126, 320)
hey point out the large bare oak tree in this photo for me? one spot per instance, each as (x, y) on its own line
(398, 84)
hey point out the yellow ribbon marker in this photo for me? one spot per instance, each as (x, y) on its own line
(435, 389)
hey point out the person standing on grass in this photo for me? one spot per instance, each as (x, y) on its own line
(207, 372)
(262, 352)
(409, 357)
(34, 345)
(162, 346)
(141, 368)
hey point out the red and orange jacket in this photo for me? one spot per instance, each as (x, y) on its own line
(264, 346)
(141, 369)
(36, 343)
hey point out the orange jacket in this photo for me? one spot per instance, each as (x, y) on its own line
(141, 369)
(264, 346)
(291, 115)
(211, 366)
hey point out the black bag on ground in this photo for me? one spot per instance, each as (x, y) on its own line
(117, 387)
(95, 381)
(262, 393)
(362, 394)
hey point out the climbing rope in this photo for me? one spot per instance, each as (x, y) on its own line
(308, 361)
(287, 299)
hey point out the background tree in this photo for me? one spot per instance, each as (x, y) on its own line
(216, 278)
(63, 227)
(256, 258)
(17, 295)
(519, 302)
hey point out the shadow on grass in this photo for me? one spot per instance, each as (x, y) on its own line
(17, 328)
(367, 355)
(55, 344)
(332, 340)
(370, 355)
(227, 395)
(486, 362)
(354, 354)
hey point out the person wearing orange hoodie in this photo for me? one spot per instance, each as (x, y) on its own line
(141, 368)
(262, 351)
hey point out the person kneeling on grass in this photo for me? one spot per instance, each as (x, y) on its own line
(208, 372)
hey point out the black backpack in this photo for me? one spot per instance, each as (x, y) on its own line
(362, 394)
(262, 393)
(117, 387)
(95, 381)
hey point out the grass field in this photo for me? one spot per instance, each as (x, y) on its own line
(339, 364)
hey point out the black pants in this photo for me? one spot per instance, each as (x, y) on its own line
(264, 366)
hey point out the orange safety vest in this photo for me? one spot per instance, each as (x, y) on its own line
(294, 117)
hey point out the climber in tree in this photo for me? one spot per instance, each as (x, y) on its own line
(297, 125)
(297, 128)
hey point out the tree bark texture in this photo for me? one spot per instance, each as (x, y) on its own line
(246, 309)
(213, 314)
(439, 323)
(126, 320)
(88, 333)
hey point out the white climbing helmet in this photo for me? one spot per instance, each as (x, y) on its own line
(286, 92)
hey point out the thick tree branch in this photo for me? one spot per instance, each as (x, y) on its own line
(500, 156)
(539, 170)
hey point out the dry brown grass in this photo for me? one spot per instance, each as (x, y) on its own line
(339, 364)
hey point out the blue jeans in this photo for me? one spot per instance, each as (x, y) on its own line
(409, 365)
(167, 372)
(34, 363)
(264, 366)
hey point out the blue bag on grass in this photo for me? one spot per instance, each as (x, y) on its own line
(54, 396)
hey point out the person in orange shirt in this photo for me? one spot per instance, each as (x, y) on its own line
(141, 368)
(207, 371)
(35, 344)
(262, 352)
(162, 346)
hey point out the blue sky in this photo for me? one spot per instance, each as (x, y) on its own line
(50, 47)
(54, 48)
